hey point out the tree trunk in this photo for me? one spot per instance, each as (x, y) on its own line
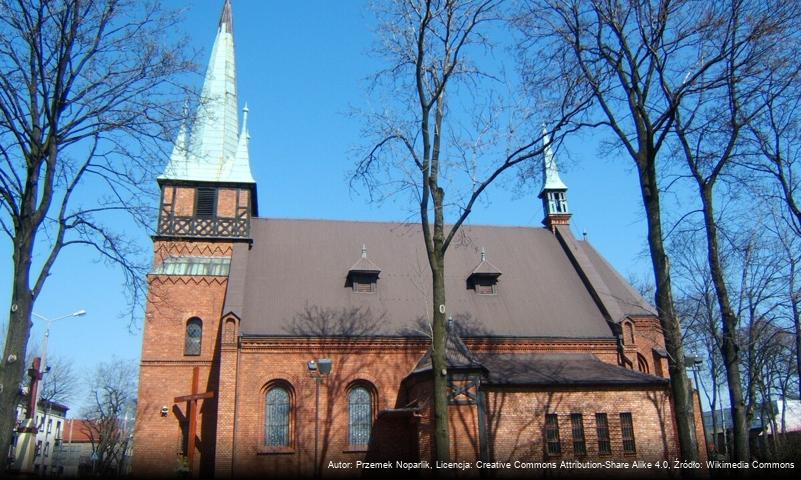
(796, 312)
(713, 405)
(729, 347)
(679, 382)
(19, 330)
(439, 363)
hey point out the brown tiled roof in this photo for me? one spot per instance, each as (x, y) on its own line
(297, 267)
(627, 298)
(559, 369)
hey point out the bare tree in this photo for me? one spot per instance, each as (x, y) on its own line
(710, 124)
(776, 143)
(790, 249)
(59, 382)
(697, 306)
(88, 88)
(315, 321)
(627, 53)
(442, 128)
(109, 414)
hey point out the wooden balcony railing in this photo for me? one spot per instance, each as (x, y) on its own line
(204, 227)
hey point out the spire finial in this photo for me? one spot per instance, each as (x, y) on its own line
(483, 254)
(227, 18)
(364, 251)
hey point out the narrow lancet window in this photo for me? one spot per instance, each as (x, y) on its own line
(194, 336)
(360, 416)
(276, 431)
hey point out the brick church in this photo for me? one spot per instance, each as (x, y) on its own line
(275, 346)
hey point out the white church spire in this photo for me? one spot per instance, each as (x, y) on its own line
(177, 165)
(213, 144)
(551, 180)
(554, 190)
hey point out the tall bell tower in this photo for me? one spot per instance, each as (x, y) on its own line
(207, 189)
(208, 198)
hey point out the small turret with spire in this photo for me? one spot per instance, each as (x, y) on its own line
(208, 189)
(554, 190)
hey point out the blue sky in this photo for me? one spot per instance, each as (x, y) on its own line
(301, 66)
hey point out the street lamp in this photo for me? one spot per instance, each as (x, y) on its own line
(317, 370)
(694, 362)
(29, 447)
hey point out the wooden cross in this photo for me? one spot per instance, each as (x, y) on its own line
(191, 414)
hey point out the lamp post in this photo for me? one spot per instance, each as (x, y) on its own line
(694, 361)
(28, 444)
(318, 369)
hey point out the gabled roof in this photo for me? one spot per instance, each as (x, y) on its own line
(485, 269)
(297, 266)
(560, 369)
(364, 264)
(457, 356)
(628, 300)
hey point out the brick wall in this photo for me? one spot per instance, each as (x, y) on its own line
(516, 422)
(166, 373)
(383, 365)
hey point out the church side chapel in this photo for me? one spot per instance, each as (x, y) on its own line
(275, 346)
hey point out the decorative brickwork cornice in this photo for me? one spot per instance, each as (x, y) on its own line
(185, 280)
(510, 345)
(302, 344)
(175, 363)
(180, 248)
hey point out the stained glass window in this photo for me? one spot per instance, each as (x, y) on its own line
(360, 415)
(277, 417)
(194, 334)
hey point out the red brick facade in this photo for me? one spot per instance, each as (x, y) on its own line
(232, 427)
(240, 370)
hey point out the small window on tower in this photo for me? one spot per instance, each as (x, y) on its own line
(206, 205)
(557, 202)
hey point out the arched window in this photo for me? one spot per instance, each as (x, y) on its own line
(278, 407)
(629, 328)
(360, 415)
(194, 334)
(642, 364)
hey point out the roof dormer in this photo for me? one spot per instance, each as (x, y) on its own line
(363, 275)
(484, 278)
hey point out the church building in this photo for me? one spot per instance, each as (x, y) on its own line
(282, 347)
